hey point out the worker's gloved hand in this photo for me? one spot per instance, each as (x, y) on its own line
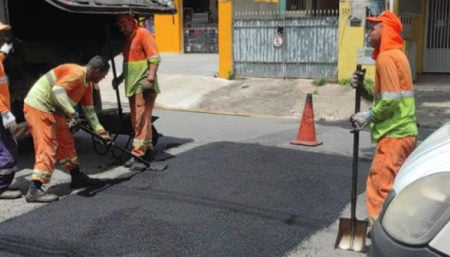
(360, 120)
(8, 120)
(6, 48)
(74, 123)
(104, 135)
(357, 79)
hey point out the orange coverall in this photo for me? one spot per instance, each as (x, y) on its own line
(51, 99)
(393, 120)
(140, 51)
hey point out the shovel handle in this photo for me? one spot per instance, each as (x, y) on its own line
(359, 88)
(356, 145)
(113, 66)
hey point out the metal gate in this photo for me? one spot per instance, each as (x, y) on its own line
(298, 45)
(437, 45)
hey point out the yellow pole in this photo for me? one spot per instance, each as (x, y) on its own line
(225, 38)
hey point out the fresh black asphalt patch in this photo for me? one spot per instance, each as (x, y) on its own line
(220, 199)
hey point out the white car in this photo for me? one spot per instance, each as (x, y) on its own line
(415, 221)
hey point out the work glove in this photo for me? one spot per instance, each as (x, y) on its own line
(357, 79)
(6, 48)
(74, 123)
(104, 135)
(360, 120)
(8, 120)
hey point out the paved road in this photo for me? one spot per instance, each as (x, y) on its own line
(235, 187)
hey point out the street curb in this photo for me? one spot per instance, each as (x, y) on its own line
(243, 114)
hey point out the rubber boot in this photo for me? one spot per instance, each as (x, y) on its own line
(36, 194)
(138, 166)
(80, 180)
(130, 162)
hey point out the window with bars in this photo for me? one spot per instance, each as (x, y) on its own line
(292, 5)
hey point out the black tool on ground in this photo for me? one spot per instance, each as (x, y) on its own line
(152, 166)
(352, 232)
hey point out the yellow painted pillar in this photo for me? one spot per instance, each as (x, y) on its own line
(418, 34)
(169, 30)
(225, 38)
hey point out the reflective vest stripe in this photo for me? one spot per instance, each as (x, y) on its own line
(8, 171)
(395, 95)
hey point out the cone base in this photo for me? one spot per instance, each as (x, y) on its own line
(307, 143)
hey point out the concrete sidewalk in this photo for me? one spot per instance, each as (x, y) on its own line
(187, 79)
(183, 79)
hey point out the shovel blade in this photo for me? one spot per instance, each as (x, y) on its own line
(352, 235)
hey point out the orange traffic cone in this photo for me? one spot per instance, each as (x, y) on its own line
(307, 132)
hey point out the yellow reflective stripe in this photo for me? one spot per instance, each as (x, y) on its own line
(44, 175)
(59, 90)
(67, 161)
(8, 171)
(140, 142)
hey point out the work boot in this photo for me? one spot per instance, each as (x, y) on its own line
(36, 194)
(138, 166)
(149, 156)
(80, 180)
(8, 193)
(130, 162)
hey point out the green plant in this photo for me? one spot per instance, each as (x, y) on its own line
(319, 82)
(345, 82)
(231, 75)
(369, 82)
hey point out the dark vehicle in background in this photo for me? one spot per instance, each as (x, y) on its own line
(46, 33)
(415, 221)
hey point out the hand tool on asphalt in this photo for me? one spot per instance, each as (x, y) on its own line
(352, 232)
(151, 166)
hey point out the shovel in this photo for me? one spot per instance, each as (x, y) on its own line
(352, 232)
(151, 166)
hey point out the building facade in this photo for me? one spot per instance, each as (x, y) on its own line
(426, 30)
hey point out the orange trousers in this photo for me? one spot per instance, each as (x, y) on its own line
(52, 142)
(141, 111)
(389, 156)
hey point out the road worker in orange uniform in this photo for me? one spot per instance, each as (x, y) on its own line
(49, 107)
(8, 145)
(392, 116)
(141, 60)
